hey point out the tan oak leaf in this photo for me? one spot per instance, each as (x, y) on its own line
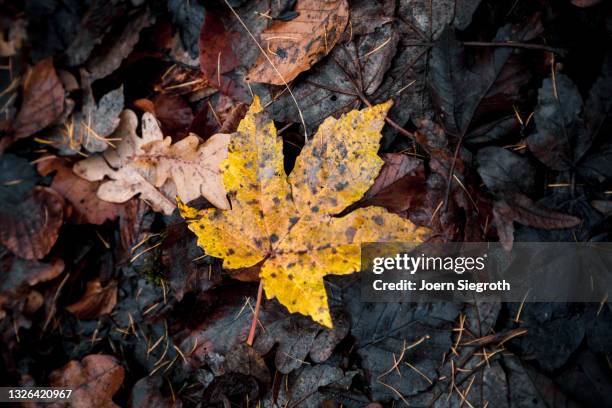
(150, 165)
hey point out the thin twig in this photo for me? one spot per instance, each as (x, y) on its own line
(511, 44)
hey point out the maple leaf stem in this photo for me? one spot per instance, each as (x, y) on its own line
(251, 337)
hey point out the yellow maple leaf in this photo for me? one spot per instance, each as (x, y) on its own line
(289, 223)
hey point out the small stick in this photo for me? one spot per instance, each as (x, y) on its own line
(251, 337)
(511, 44)
(498, 338)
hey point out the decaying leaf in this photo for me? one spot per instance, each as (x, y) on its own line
(246, 360)
(93, 380)
(295, 45)
(288, 222)
(43, 100)
(157, 169)
(12, 40)
(18, 276)
(189, 16)
(304, 388)
(179, 252)
(299, 338)
(400, 186)
(335, 85)
(467, 86)
(91, 126)
(517, 207)
(216, 54)
(501, 170)
(382, 55)
(97, 300)
(91, 29)
(174, 114)
(119, 48)
(558, 121)
(227, 50)
(30, 215)
(80, 193)
(147, 393)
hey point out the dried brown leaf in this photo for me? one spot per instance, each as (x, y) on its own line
(80, 193)
(30, 228)
(97, 300)
(397, 165)
(93, 380)
(526, 212)
(43, 100)
(294, 46)
(174, 114)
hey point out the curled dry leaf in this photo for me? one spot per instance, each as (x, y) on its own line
(294, 46)
(157, 169)
(93, 380)
(287, 222)
(80, 193)
(43, 100)
(97, 300)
